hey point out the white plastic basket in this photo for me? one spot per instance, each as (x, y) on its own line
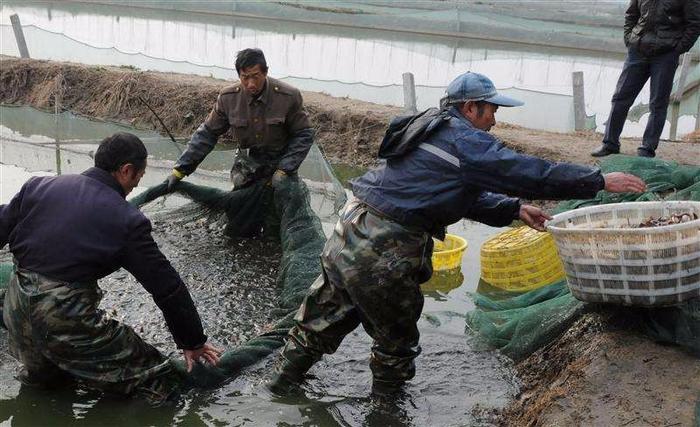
(605, 262)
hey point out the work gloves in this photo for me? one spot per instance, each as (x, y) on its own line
(176, 176)
(173, 179)
(277, 178)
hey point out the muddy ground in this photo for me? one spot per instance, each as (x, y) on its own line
(599, 372)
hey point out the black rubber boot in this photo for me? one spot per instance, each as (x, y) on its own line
(644, 152)
(604, 150)
(288, 376)
(284, 385)
(48, 380)
(386, 388)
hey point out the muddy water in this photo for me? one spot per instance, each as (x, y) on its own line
(233, 284)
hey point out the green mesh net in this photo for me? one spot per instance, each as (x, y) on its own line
(519, 324)
(5, 272)
(284, 213)
(665, 180)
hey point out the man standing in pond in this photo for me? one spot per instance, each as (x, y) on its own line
(267, 118)
(441, 165)
(65, 233)
(656, 33)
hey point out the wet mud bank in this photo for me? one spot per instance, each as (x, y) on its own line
(348, 131)
(602, 372)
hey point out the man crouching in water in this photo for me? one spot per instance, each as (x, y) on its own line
(65, 233)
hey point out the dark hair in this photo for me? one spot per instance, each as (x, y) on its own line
(480, 105)
(120, 149)
(247, 58)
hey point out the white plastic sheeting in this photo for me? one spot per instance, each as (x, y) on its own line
(367, 68)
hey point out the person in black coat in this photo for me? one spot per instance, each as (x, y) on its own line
(65, 233)
(657, 32)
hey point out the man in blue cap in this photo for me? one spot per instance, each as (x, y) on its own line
(441, 165)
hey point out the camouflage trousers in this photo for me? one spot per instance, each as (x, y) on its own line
(371, 271)
(57, 332)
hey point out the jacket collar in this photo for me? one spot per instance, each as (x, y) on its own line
(264, 93)
(454, 111)
(105, 178)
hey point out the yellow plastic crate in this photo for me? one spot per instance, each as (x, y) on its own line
(520, 259)
(447, 255)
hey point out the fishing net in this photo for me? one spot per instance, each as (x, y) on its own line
(519, 324)
(5, 273)
(290, 213)
(666, 180)
(287, 210)
(6, 269)
(286, 213)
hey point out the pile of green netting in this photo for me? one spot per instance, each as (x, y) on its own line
(285, 210)
(519, 324)
(286, 213)
(6, 270)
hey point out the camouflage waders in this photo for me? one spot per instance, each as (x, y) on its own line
(371, 271)
(56, 331)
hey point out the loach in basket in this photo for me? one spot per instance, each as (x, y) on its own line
(607, 260)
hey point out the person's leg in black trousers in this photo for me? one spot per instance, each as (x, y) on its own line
(634, 75)
(662, 69)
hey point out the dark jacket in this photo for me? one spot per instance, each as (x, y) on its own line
(274, 126)
(457, 172)
(79, 228)
(655, 27)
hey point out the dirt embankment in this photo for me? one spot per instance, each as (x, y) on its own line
(601, 373)
(348, 131)
(597, 373)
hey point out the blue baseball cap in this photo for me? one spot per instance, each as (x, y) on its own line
(476, 87)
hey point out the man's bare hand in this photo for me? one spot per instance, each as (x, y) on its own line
(208, 352)
(533, 217)
(619, 182)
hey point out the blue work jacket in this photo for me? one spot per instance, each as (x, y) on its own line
(460, 171)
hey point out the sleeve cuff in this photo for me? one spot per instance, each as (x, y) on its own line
(517, 204)
(601, 181)
(178, 174)
(182, 319)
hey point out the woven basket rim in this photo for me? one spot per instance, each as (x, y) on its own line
(564, 216)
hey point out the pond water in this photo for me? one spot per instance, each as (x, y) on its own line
(456, 384)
